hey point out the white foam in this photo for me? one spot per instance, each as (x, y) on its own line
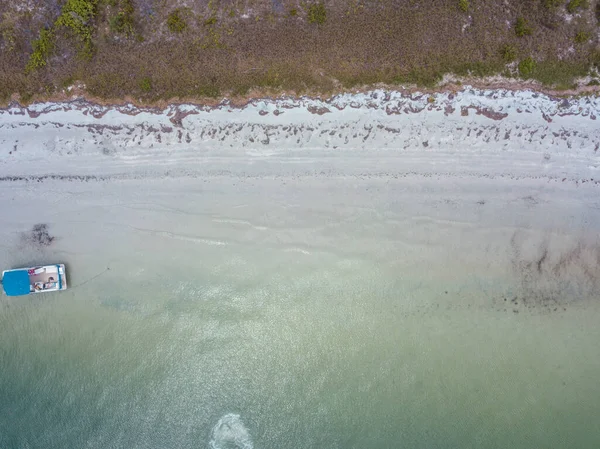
(230, 433)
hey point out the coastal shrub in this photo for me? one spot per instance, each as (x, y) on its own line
(317, 13)
(8, 34)
(175, 22)
(268, 79)
(582, 37)
(526, 67)
(522, 28)
(293, 12)
(67, 82)
(509, 53)
(25, 96)
(240, 89)
(551, 4)
(146, 85)
(574, 5)
(210, 21)
(42, 47)
(463, 5)
(123, 21)
(108, 84)
(560, 73)
(594, 59)
(479, 69)
(209, 91)
(76, 16)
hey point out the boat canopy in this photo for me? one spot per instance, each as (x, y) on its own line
(16, 283)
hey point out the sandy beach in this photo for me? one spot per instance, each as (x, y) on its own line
(380, 269)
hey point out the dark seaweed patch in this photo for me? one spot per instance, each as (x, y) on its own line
(39, 235)
(551, 274)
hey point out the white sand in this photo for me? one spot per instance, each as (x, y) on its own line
(531, 136)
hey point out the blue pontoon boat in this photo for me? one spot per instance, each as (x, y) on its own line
(23, 281)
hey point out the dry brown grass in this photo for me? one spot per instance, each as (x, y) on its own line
(231, 47)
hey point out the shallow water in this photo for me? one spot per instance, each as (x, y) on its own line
(304, 312)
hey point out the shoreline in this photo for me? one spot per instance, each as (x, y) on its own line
(76, 93)
(522, 134)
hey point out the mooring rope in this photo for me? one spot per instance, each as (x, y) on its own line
(90, 279)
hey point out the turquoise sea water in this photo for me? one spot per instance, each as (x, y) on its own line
(295, 315)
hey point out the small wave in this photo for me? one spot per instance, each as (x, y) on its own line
(230, 433)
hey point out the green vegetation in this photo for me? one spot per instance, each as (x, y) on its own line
(478, 69)
(42, 47)
(293, 12)
(76, 16)
(8, 32)
(463, 5)
(26, 96)
(146, 85)
(575, 5)
(210, 21)
(420, 77)
(526, 67)
(551, 4)
(209, 91)
(317, 13)
(509, 53)
(122, 22)
(270, 79)
(522, 28)
(213, 37)
(175, 22)
(560, 74)
(582, 37)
